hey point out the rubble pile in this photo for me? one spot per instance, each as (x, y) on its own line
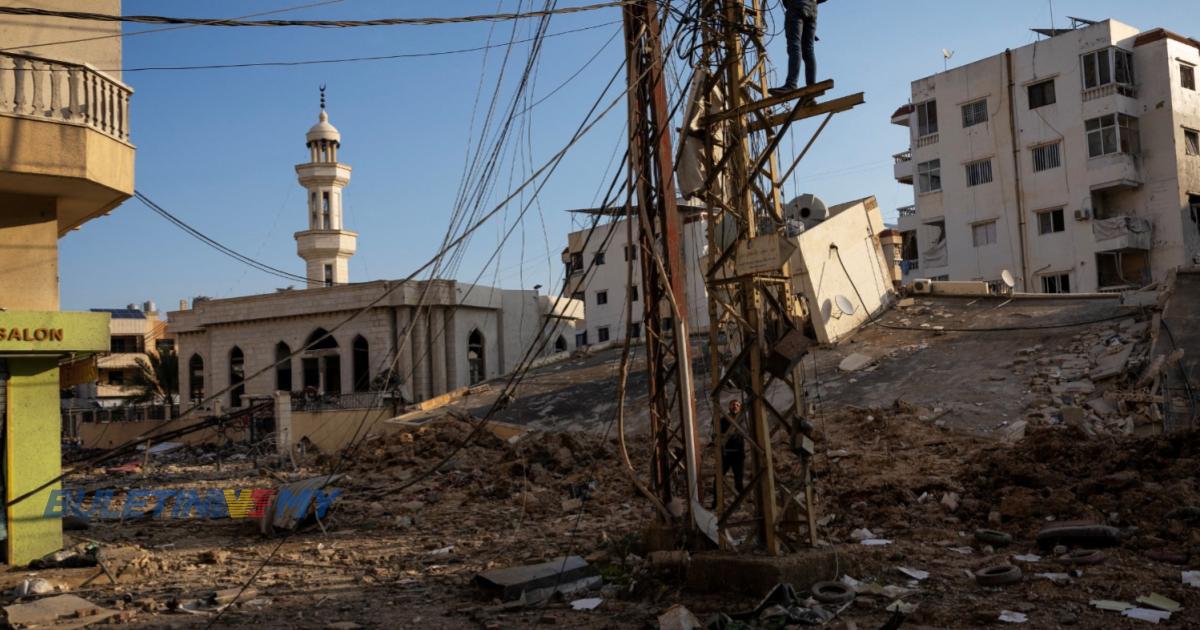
(1146, 486)
(1094, 381)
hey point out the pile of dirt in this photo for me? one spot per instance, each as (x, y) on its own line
(1146, 486)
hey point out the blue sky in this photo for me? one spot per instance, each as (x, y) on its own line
(217, 147)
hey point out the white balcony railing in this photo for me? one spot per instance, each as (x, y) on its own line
(1110, 90)
(903, 157)
(929, 140)
(907, 211)
(59, 91)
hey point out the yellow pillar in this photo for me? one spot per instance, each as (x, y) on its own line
(33, 456)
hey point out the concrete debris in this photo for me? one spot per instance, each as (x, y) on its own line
(855, 363)
(535, 583)
(590, 603)
(915, 574)
(1113, 605)
(44, 612)
(678, 617)
(1154, 600)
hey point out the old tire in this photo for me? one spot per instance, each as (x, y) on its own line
(998, 575)
(993, 537)
(832, 592)
(1081, 535)
(1083, 557)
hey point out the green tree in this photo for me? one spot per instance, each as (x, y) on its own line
(157, 378)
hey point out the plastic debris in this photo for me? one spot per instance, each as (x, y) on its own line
(902, 607)
(1146, 614)
(1029, 557)
(1057, 578)
(1161, 602)
(1192, 578)
(1108, 604)
(862, 534)
(876, 542)
(590, 603)
(1008, 616)
(915, 574)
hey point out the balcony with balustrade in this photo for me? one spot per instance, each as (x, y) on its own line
(64, 129)
(904, 167)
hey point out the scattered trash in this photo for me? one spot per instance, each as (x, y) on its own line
(535, 583)
(902, 607)
(1000, 575)
(915, 574)
(1083, 557)
(855, 362)
(1057, 578)
(444, 551)
(1146, 614)
(1008, 616)
(590, 603)
(782, 607)
(1088, 535)
(34, 586)
(966, 551)
(295, 505)
(876, 542)
(1192, 578)
(678, 617)
(1154, 600)
(1108, 604)
(832, 592)
(862, 534)
(1029, 557)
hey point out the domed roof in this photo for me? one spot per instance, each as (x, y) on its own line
(324, 131)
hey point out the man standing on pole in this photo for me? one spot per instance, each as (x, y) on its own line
(800, 26)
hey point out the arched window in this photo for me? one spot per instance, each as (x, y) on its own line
(283, 371)
(362, 364)
(196, 377)
(322, 363)
(475, 357)
(237, 376)
(560, 344)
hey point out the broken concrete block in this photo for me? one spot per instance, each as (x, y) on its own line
(47, 611)
(1101, 406)
(950, 501)
(1110, 365)
(678, 618)
(855, 362)
(536, 583)
(1015, 432)
(1079, 387)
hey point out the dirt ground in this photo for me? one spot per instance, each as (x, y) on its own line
(923, 463)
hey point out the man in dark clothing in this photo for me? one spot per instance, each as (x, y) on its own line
(733, 452)
(800, 27)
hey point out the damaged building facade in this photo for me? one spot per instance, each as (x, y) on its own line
(337, 338)
(1073, 163)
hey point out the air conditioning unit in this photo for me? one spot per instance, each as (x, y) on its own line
(1083, 214)
(922, 287)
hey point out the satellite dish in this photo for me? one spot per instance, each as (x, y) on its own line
(843, 304)
(1007, 278)
(807, 209)
(827, 311)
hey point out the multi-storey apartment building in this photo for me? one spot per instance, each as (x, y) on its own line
(603, 290)
(1073, 163)
(65, 160)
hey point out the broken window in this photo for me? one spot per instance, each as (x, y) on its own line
(979, 173)
(361, 359)
(1047, 156)
(576, 263)
(475, 357)
(1114, 133)
(929, 176)
(560, 344)
(1122, 270)
(1042, 94)
(598, 259)
(975, 113)
(927, 120)
(938, 254)
(1110, 65)
(1191, 141)
(1187, 76)
(283, 367)
(1051, 221)
(1056, 283)
(984, 233)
